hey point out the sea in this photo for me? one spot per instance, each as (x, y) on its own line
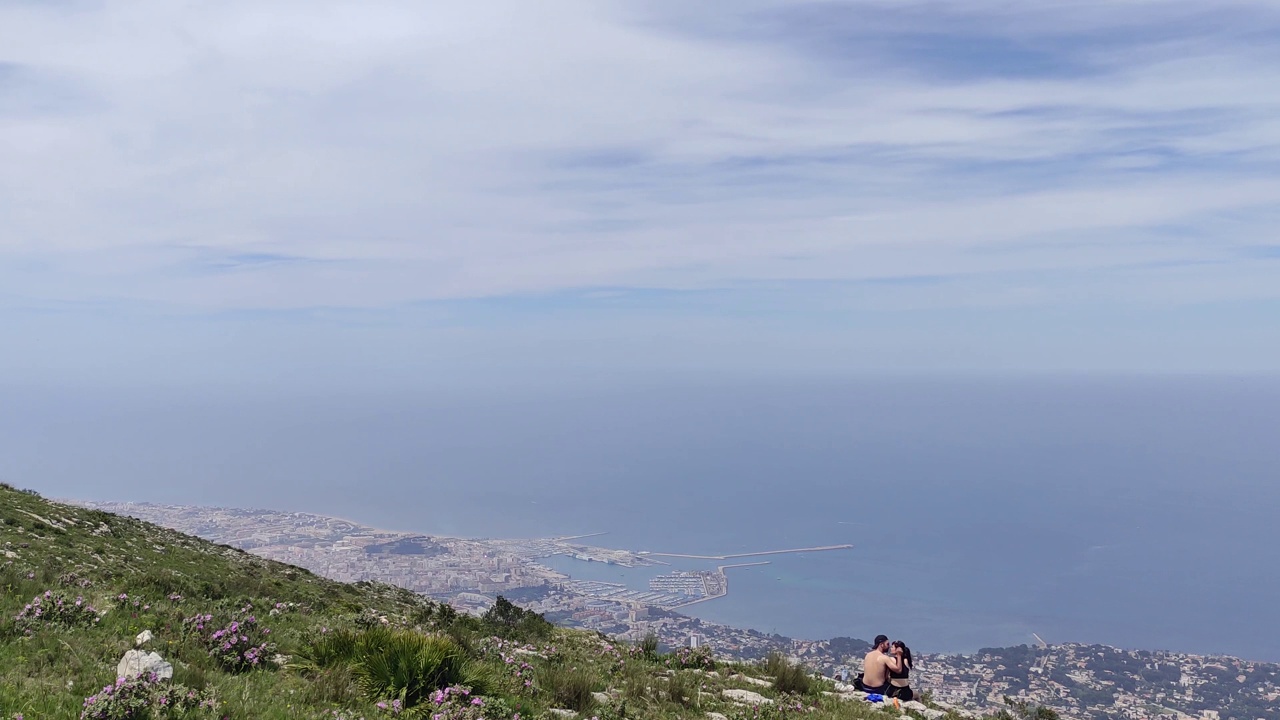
(1140, 512)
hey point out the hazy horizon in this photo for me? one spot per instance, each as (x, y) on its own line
(1068, 506)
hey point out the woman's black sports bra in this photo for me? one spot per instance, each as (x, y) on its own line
(906, 672)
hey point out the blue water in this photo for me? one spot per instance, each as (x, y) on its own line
(1136, 512)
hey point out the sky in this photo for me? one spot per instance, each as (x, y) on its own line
(393, 193)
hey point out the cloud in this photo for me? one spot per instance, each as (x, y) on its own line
(287, 154)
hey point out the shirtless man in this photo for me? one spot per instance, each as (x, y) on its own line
(877, 665)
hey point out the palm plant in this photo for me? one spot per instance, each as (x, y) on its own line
(409, 667)
(394, 664)
(332, 649)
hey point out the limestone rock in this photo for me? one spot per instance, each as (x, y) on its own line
(561, 712)
(143, 638)
(716, 716)
(601, 697)
(746, 697)
(137, 662)
(925, 710)
(751, 680)
(844, 687)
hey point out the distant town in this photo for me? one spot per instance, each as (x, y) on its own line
(1091, 682)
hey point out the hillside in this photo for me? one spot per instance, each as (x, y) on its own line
(249, 638)
(1085, 681)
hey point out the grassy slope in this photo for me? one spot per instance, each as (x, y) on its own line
(44, 544)
(48, 673)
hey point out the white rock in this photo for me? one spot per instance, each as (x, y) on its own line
(929, 712)
(601, 697)
(137, 662)
(746, 697)
(563, 713)
(845, 687)
(751, 680)
(717, 716)
(143, 638)
(925, 710)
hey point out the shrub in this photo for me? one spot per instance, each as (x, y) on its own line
(649, 647)
(332, 649)
(369, 619)
(682, 689)
(508, 620)
(463, 635)
(635, 683)
(788, 677)
(391, 664)
(511, 655)
(55, 608)
(692, 658)
(775, 663)
(144, 697)
(408, 666)
(456, 703)
(334, 685)
(569, 688)
(239, 646)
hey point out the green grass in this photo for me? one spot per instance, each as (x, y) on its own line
(788, 678)
(569, 687)
(342, 647)
(649, 646)
(682, 689)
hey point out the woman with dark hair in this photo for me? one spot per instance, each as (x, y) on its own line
(899, 682)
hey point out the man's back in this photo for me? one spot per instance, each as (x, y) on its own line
(874, 672)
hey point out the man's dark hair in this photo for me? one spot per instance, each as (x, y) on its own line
(880, 640)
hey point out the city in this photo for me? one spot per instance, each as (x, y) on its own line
(1091, 682)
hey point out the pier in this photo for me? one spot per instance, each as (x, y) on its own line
(734, 556)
